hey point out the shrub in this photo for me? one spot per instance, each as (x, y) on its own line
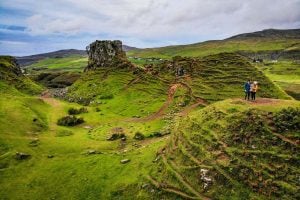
(287, 119)
(139, 136)
(69, 120)
(74, 111)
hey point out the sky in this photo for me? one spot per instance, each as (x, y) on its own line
(36, 26)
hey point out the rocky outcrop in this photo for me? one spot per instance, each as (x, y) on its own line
(106, 53)
(9, 68)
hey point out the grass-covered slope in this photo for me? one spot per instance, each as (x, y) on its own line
(11, 74)
(233, 149)
(284, 73)
(209, 79)
(267, 41)
(70, 63)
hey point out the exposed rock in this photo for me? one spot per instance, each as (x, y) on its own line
(124, 161)
(92, 151)
(22, 156)
(116, 133)
(34, 142)
(205, 178)
(50, 156)
(106, 53)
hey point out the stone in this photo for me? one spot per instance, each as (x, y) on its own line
(92, 152)
(34, 142)
(116, 133)
(22, 156)
(106, 53)
(124, 161)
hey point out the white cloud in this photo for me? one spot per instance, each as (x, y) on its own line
(156, 22)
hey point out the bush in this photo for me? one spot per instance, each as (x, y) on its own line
(74, 111)
(139, 136)
(287, 120)
(70, 120)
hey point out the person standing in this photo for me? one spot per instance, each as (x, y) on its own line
(247, 88)
(253, 89)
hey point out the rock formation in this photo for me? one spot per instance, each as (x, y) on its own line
(106, 53)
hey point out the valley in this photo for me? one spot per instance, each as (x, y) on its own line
(91, 126)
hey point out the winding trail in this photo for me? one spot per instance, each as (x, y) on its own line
(161, 111)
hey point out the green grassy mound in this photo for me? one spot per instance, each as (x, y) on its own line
(208, 79)
(11, 74)
(233, 150)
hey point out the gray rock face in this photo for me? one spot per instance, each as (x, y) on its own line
(105, 53)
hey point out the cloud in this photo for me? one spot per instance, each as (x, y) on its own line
(151, 23)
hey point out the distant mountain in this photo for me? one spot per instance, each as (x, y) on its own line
(270, 33)
(266, 44)
(27, 60)
(129, 48)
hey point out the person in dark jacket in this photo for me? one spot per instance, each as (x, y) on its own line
(247, 88)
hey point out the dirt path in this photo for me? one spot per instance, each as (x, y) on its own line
(46, 96)
(188, 109)
(56, 106)
(260, 101)
(161, 111)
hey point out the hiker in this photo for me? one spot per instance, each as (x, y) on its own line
(247, 90)
(253, 90)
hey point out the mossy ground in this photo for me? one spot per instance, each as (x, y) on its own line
(230, 150)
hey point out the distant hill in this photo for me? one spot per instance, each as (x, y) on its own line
(270, 33)
(28, 60)
(129, 48)
(266, 44)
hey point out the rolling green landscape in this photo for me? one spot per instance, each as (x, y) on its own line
(161, 123)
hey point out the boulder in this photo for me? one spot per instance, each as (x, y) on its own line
(124, 161)
(116, 133)
(92, 152)
(22, 156)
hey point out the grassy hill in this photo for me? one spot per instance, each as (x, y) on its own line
(233, 150)
(148, 132)
(268, 41)
(209, 79)
(68, 162)
(286, 74)
(11, 75)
